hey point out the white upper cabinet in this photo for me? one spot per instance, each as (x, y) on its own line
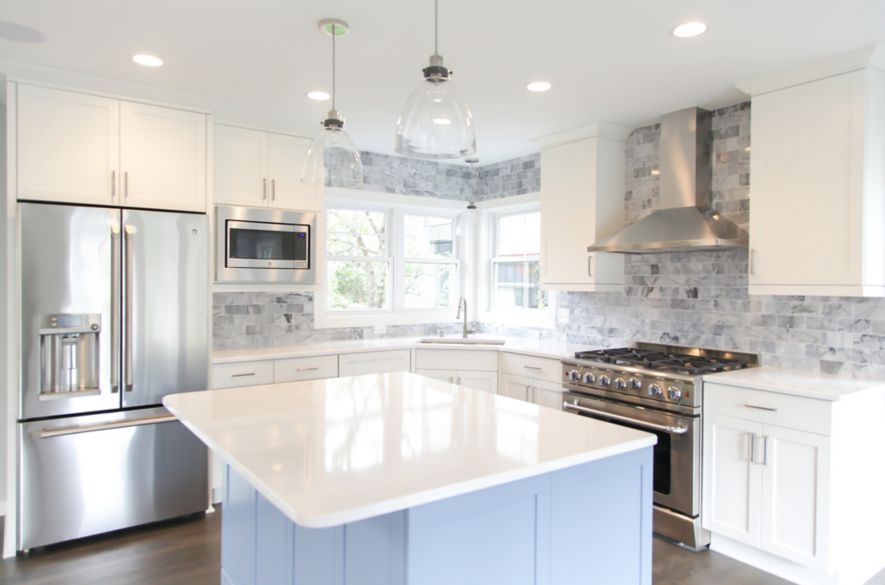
(817, 179)
(73, 147)
(240, 166)
(163, 157)
(67, 147)
(261, 169)
(582, 200)
(285, 162)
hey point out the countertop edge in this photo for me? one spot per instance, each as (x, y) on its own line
(418, 498)
(740, 380)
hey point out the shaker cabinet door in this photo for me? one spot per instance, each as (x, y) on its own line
(67, 146)
(240, 166)
(285, 162)
(732, 481)
(794, 494)
(162, 157)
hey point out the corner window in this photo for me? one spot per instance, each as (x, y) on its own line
(516, 262)
(386, 260)
(358, 263)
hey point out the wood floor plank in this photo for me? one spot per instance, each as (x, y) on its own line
(187, 552)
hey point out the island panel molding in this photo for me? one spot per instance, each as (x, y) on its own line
(522, 533)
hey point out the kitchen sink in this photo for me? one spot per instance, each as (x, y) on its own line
(463, 341)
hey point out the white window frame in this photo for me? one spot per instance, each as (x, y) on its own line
(396, 207)
(541, 318)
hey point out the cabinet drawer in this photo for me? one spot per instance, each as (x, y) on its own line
(305, 368)
(793, 412)
(374, 362)
(531, 366)
(242, 374)
(456, 359)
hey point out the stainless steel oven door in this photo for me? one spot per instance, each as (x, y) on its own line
(676, 454)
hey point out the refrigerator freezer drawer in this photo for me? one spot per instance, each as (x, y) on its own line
(92, 474)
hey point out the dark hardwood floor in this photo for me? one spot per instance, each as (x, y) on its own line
(187, 552)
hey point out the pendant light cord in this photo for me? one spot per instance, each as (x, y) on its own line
(334, 34)
(436, 27)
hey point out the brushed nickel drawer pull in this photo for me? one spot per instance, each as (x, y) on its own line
(536, 368)
(757, 407)
(243, 375)
(306, 369)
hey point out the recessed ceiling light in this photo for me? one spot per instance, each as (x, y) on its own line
(539, 86)
(146, 60)
(690, 29)
(318, 96)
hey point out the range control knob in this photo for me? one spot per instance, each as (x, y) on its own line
(589, 378)
(605, 380)
(674, 393)
(654, 390)
(574, 375)
(620, 384)
(635, 383)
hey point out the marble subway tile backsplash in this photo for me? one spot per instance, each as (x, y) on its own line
(242, 320)
(426, 178)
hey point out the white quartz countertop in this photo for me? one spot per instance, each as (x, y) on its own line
(329, 452)
(511, 344)
(797, 383)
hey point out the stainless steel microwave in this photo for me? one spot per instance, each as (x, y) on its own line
(256, 244)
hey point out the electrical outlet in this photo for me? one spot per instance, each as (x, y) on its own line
(380, 329)
(562, 316)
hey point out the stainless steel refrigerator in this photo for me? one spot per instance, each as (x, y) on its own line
(114, 316)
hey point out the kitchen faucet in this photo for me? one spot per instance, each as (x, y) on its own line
(462, 302)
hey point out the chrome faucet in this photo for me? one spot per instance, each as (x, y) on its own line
(462, 302)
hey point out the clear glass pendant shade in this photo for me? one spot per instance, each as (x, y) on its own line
(333, 154)
(435, 123)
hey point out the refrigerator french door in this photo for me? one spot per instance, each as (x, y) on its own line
(114, 317)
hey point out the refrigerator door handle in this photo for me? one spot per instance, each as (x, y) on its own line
(127, 316)
(115, 308)
(48, 433)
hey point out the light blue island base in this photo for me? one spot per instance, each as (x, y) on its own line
(590, 525)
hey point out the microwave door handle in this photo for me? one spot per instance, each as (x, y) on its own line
(680, 430)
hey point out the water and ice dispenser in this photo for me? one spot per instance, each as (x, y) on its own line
(69, 353)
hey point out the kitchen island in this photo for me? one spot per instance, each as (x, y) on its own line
(399, 479)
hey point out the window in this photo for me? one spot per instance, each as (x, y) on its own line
(430, 268)
(516, 266)
(384, 260)
(358, 265)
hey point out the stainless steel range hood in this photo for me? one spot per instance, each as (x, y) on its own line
(684, 219)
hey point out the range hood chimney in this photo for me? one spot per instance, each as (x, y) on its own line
(684, 218)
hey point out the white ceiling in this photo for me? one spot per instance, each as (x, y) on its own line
(608, 60)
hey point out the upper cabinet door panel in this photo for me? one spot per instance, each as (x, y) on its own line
(163, 157)
(67, 146)
(286, 159)
(807, 184)
(240, 166)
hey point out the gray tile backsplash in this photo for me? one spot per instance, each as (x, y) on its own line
(425, 178)
(266, 319)
(686, 298)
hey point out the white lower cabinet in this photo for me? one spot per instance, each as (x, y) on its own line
(485, 381)
(531, 378)
(540, 392)
(767, 487)
(374, 362)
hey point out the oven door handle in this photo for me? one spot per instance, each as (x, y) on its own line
(641, 423)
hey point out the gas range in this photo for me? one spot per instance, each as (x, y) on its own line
(658, 389)
(658, 375)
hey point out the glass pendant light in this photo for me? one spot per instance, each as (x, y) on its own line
(435, 123)
(332, 154)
